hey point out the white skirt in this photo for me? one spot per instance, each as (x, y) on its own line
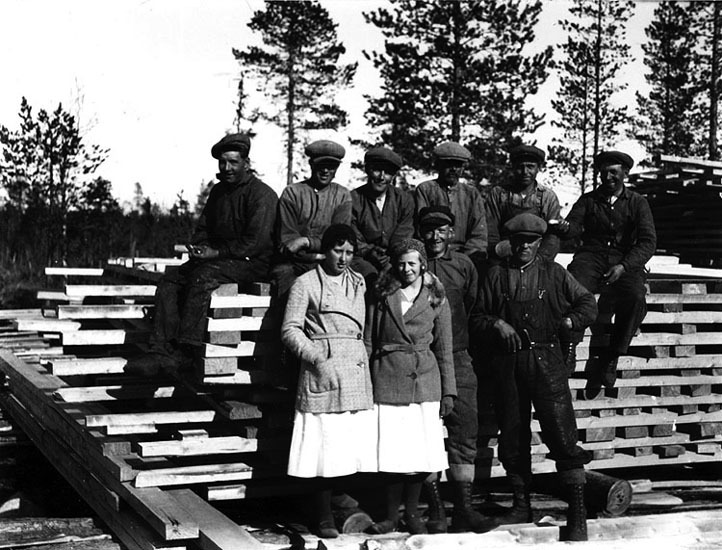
(333, 444)
(411, 438)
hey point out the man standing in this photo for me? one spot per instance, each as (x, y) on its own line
(460, 280)
(464, 201)
(305, 210)
(522, 194)
(382, 213)
(524, 302)
(232, 244)
(618, 238)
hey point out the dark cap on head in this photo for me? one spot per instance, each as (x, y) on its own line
(527, 152)
(325, 149)
(431, 217)
(232, 142)
(383, 155)
(525, 224)
(450, 150)
(403, 246)
(613, 157)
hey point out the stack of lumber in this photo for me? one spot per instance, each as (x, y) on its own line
(685, 197)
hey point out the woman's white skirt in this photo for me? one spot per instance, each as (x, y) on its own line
(411, 438)
(333, 444)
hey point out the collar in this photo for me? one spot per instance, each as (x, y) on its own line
(598, 195)
(365, 190)
(512, 265)
(446, 256)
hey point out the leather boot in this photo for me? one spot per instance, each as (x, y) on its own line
(521, 508)
(436, 522)
(465, 518)
(576, 528)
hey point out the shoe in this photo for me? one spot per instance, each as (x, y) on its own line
(382, 527)
(414, 525)
(465, 518)
(327, 529)
(608, 372)
(520, 511)
(576, 527)
(436, 521)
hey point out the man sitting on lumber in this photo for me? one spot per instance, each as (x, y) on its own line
(232, 244)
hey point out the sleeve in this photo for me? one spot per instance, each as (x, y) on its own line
(287, 218)
(583, 310)
(646, 243)
(421, 201)
(293, 334)
(493, 217)
(405, 218)
(342, 213)
(477, 237)
(442, 348)
(576, 218)
(356, 213)
(369, 327)
(550, 210)
(200, 234)
(260, 216)
(471, 289)
(485, 314)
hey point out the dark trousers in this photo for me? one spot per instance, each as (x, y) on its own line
(462, 424)
(625, 298)
(535, 376)
(183, 296)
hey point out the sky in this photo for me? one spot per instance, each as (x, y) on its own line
(155, 81)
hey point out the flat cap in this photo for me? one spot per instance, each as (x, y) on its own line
(527, 152)
(613, 157)
(383, 155)
(232, 142)
(324, 149)
(436, 216)
(525, 224)
(450, 150)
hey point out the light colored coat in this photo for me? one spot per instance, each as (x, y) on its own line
(412, 359)
(324, 327)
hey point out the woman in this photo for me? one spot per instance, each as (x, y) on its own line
(409, 331)
(334, 429)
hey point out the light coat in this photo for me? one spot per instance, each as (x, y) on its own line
(411, 358)
(324, 328)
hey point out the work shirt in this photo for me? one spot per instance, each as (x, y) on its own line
(237, 220)
(304, 211)
(376, 227)
(459, 277)
(502, 204)
(467, 205)
(623, 232)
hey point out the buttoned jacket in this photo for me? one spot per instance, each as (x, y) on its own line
(381, 228)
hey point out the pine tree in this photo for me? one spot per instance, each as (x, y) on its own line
(455, 71)
(664, 124)
(298, 69)
(594, 53)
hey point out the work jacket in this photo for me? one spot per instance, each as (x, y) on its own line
(376, 228)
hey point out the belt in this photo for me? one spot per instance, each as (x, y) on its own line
(408, 348)
(337, 336)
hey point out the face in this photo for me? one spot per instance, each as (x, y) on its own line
(524, 172)
(338, 258)
(436, 240)
(612, 177)
(449, 171)
(408, 267)
(524, 247)
(232, 167)
(380, 176)
(323, 172)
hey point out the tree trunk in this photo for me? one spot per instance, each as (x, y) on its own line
(597, 89)
(456, 77)
(290, 110)
(585, 126)
(713, 85)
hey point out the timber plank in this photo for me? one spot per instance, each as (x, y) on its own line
(240, 301)
(149, 418)
(79, 366)
(80, 394)
(82, 291)
(110, 311)
(104, 337)
(187, 475)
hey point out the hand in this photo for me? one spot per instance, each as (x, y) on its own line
(378, 257)
(503, 249)
(509, 337)
(613, 275)
(447, 405)
(202, 251)
(560, 226)
(567, 323)
(298, 244)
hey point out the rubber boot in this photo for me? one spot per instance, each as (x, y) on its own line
(465, 518)
(436, 522)
(521, 508)
(576, 528)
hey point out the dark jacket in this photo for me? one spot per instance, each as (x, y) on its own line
(238, 220)
(460, 279)
(623, 232)
(381, 229)
(411, 355)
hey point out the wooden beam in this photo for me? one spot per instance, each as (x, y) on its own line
(71, 271)
(81, 291)
(156, 417)
(79, 367)
(110, 311)
(240, 300)
(80, 394)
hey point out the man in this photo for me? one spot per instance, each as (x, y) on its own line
(618, 238)
(524, 302)
(522, 194)
(460, 280)
(232, 244)
(305, 210)
(464, 201)
(382, 213)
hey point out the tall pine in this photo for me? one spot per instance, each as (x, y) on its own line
(593, 55)
(297, 68)
(665, 124)
(456, 71)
